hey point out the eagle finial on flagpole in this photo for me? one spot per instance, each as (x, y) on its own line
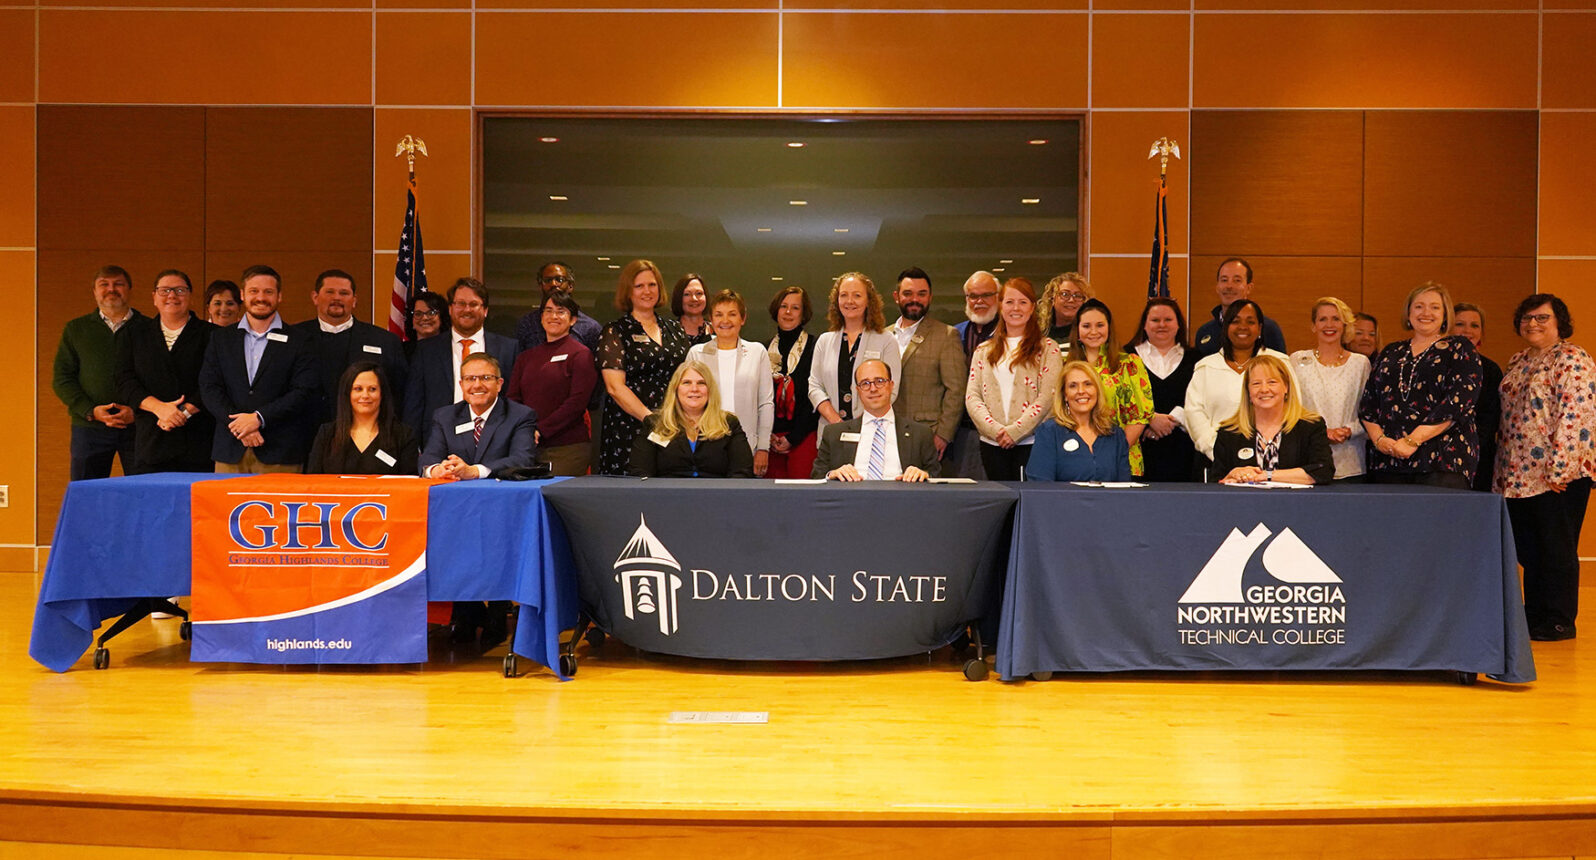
(408, 146)
(1162, 147)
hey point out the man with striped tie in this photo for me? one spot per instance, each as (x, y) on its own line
(482, 433)
(876, 446)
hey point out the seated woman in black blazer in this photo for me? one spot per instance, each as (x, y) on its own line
(691, 436)
(1271, 437)
(365, 438)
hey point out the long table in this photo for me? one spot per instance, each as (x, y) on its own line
(738, 569)
(119, 540)
(1214, 577)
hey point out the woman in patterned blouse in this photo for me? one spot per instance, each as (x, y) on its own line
(1125, 381)
(637, 355)
(1546, 459)
(1418, 405)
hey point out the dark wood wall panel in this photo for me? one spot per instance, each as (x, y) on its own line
(1277, 182)
(1285, 287)
(120, 177)
(1450, 183)
(299, 270)
(1495, 284)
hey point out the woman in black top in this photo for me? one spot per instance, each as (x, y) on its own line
(1271, 437)
(158, 363)
(1160, 341)
(792, 353)
(636, 356)
(691, 436)
(1469, 321)
(365, 438)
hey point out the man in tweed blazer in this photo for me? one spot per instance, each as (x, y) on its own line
(931, 392)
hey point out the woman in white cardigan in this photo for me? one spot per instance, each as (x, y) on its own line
(1214, 393)
(1013, 379)
(742, 373)
(858, 332)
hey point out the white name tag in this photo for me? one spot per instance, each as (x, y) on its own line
(462, 428)
(375, 350)
(641, 338)
(277, 336)
(561, 357)
(386, 458)
(1072, 444)
(658, 439)
(850, 437)
(1244, 454)
(873, 353)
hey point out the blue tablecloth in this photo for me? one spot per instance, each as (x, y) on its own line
(122, 539)
(1209, 577)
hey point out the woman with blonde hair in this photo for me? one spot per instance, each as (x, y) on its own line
(1079, 440)
(1332, 378)
(1061, 301)
(691, 436)
(1271, 437)
(858, 332)
(1013, 381)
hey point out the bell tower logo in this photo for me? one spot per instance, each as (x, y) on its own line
(650, 578)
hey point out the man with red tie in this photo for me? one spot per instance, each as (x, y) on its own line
(435, 367)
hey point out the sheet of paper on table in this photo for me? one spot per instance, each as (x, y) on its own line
(1272, 485)
(950, 480)
(800, 480)
(1113, 485)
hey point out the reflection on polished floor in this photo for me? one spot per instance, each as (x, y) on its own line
(904, 756)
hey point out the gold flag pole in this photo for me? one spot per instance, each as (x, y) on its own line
(1162, 147)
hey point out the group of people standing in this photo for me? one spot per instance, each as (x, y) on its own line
(1034, 387)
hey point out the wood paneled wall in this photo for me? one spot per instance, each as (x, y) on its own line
(1345, 146)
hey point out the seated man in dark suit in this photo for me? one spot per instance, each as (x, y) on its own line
(877, 445)
(435, 366)
(473, 439)
(259, 382)
(341, 340)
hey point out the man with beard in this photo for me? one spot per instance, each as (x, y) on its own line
(259, 381)
(931, 392)
(435, 368)
(84, 379)
(341, 340)
(963, 457)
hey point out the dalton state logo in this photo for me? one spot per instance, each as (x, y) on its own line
(649, 578)
(1286, 558)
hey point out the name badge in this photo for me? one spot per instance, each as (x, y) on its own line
(375, 350)
(1244, 454)
(851, 437)
(1072, 444)
(277, 336)
(561, 357)
(386, 458)
(641, 338)
(658, 439)
(462, 428)
(873, 353)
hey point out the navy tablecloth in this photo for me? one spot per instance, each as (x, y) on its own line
(1212, 577)
(122, 539)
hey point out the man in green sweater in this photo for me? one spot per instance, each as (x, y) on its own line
(85, 379)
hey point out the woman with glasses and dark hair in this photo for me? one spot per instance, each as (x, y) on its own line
(556, 378)
(1546, 459)
(1418, 405)
(1217, 381)
(429, 315)
(792, 354)
(690, 302)
(364, 437)
(158, 362)
(1160, 342)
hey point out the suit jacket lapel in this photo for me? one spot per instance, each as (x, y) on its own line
(905, 451)
(914, 343)
(491, 427)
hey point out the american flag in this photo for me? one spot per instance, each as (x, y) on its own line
(1158, 269)
(410, 272)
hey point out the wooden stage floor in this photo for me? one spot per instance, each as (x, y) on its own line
(158, 757)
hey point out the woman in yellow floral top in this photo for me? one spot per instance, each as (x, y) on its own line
(1545, 459)
(1125, 380)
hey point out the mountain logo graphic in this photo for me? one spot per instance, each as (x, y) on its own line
(1286, 558)
(649, 578)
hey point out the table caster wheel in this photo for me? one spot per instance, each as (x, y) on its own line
(1468, 679)
(594, 637)
(509, 665)
(975, 670)
(185, 631)
(1041, 676)
(102, 658)
(568, 665)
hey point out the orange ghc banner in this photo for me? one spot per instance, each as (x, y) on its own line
(310, 569)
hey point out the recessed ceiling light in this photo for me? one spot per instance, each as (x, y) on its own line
(549, 139)
(762, 229)
(999, 269)
(1037, 141)
(775, 277)
(838, 253)
(614, 266)
(1005, 262)
(1030, 200)
(603, 259)
(839, 229)
(797, 202)
(558, 197)
(796, 144)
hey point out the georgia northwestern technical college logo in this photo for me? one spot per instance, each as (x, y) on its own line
(1308, 609)
(649, 577)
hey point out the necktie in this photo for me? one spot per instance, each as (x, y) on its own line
(878, 453)
(476, 430)
(465, 349)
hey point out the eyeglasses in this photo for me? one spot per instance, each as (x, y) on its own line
(1073, 297)
(171, 291)
(468, 306)
(557, 279)
(1543, 319)
(873, 384)
(424, 313)
(980, 297)
(471, 379)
